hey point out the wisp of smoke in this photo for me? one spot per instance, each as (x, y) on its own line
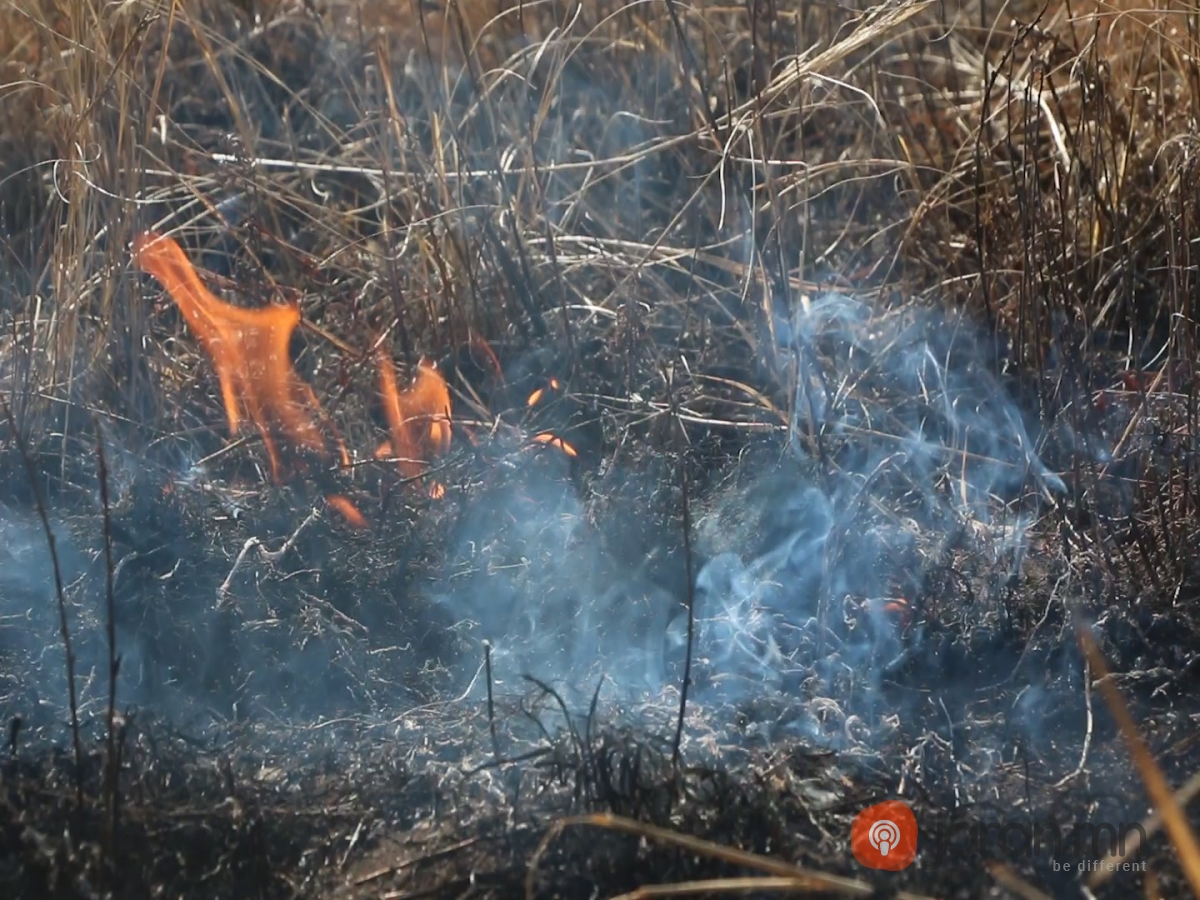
(902, 440)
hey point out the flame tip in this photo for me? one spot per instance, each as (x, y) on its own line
(425, 400)
(348, 510)
(249, 350)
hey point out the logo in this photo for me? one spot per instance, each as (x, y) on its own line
(884, 836)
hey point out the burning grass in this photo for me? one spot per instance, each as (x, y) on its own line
(834, 362)
(249, 349)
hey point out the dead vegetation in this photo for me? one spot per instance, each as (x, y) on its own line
(886, 308)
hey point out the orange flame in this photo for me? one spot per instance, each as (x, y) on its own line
(348, 510)
(248, 349)
(536, 397)
(490, 360)
(418, 418)
(555, 441)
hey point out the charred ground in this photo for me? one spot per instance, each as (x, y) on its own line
(872, 331)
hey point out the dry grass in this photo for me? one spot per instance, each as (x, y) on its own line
(1034, 166)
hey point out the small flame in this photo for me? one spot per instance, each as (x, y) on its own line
(482, 349)
(347, 509)
(418, 418)
(248, 349)
(555, 441)
(538, 395)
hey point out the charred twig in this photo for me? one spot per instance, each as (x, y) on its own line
(592, 770)
(491, 706)
(271, 556)
(14, 734)
(64, 626)
(689, 567)
(562, 705)
(388, 871)
(114, 661)
(501, 762)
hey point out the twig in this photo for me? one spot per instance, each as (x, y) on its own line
(114, 661)
(1087, 737)
(692, 68)
(271, 556)
(358, 829)
(388, 871)
(689, 567)
(815, 881)
(491, 706)
(1178, 829)
(224, 588)
(1150, 825)
(713, 886)
(64, 626)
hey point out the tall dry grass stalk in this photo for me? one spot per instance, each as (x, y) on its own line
(73, 115)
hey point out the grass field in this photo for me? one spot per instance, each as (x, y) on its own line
(702, 419)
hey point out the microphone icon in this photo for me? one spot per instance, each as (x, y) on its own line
(884, 836)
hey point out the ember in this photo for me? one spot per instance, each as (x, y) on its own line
(347, 509)
(538, 395)
(554, 440)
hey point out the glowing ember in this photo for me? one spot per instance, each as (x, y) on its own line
(897, 609)
(537, 396)
(418, 418)
(555, 441)
(347, 509)
(248, 349)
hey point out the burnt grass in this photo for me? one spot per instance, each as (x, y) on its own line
(871, 331)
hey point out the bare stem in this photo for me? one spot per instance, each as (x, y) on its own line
(59, 592)
(114, 661)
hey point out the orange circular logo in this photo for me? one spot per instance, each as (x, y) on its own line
(884, 836)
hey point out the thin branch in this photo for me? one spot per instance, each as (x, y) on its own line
(64, 626)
